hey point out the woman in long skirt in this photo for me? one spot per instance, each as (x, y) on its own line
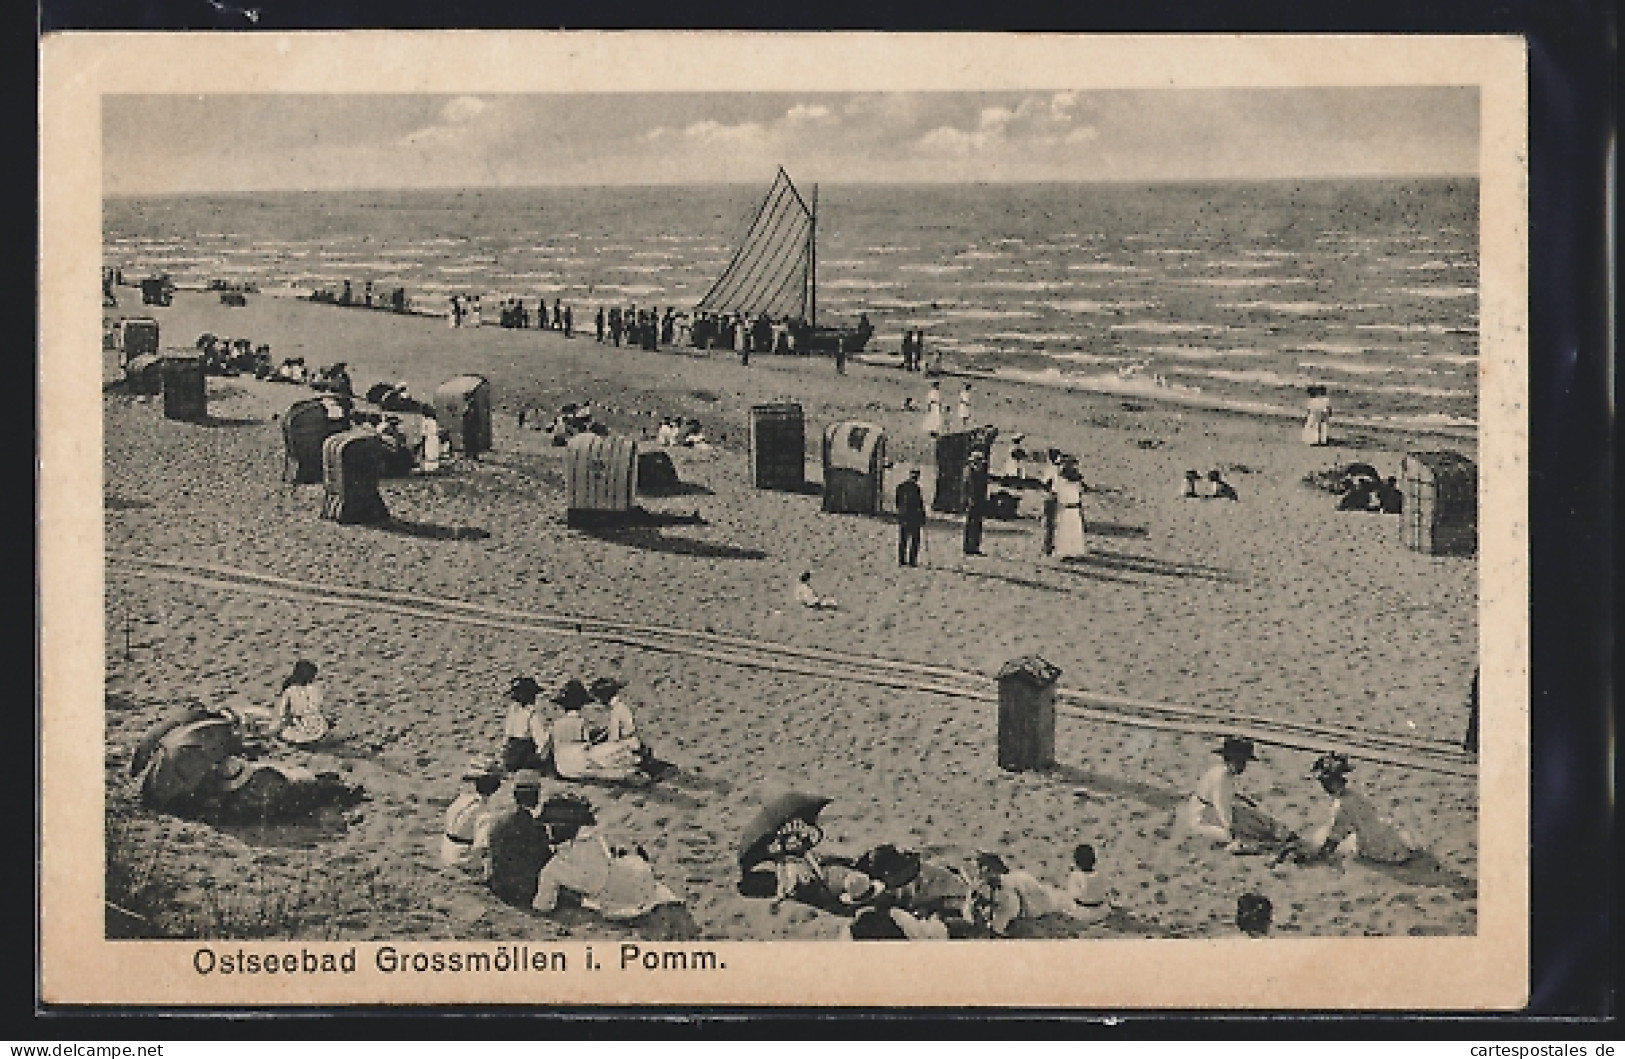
(1317, 426)
(298, 717)
(933, 410)
(1068, 489)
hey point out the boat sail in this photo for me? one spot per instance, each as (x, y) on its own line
(774, 273)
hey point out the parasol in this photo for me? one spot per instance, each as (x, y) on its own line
(792, 805)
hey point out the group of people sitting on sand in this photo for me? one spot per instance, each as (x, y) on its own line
(1363, 489)
(572, 419)
(231, 357)
(1212, 487)
(891, 893)
(1350, 826)
(543, 852)
(602, 747)
(677, 432)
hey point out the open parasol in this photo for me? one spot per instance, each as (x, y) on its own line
(779, 811)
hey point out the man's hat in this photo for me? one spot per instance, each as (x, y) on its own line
(527, 779)
(604, 687)
(1237, 748)
(524, 688)
(1330, 765)
(914, 473)
(894, 867)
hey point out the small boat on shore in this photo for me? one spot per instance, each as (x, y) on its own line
(774, 274)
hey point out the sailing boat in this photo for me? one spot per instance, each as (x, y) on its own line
(774, 274)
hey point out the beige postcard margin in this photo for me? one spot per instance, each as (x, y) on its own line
(79, 966)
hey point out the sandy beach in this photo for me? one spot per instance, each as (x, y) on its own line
(1276, 606)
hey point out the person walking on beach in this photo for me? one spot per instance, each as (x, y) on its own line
(933, 409)
(908, 350)
(558, 318)
(973, 487)
(1317, 427)
(598, 325)
(615, 325)
(910, 519)
(840, 357)
(1067, 488)
(964, 406)
(569, 323)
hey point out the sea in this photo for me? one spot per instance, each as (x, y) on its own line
(1227, 294)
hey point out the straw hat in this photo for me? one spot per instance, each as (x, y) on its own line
(524, 689)
(572, 695)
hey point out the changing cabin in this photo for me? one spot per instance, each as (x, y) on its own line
(186, 391)
(778, 447)
(953, 452)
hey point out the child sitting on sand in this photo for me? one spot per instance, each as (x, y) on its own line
(298, 717)
(1085, 886)
(808, 598)
(1218, 488)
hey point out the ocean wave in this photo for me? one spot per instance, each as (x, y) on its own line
(1300, 308)
(641, 270)
(1086, 358)
(1083, 305)
(1459, 359)
(1354, 367)
(1102, 266)
(1030, 285)
(981, 255)
(846, 262)
(1170, 327)
(1245, 281)
(1439, 292)
(1035, 337)
(992, 314)
(1419, 329)
(858, 284)
(1199, 352)
(933, 269)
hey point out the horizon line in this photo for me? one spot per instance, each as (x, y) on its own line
(1321, 178)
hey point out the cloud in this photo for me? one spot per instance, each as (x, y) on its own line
(1034, 125)
(815, 112)
(453, 117)
(716, 132)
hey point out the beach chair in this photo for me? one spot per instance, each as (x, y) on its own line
(351, 466)
(305, 426)
(854, 468)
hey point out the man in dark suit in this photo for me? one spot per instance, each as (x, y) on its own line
(973, 488)
(518, 843)
(910, 519)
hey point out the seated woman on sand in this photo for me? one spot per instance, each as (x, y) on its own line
(889, 912)
(577, 755)
(1353, 827)
(616, 882)
(1218, 811)
(527, 739)
(298, 716)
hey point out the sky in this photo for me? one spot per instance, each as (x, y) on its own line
(193, 144)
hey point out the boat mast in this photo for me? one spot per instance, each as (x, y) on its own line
(812, 263)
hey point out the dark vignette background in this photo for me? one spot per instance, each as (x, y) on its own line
(1572, 73)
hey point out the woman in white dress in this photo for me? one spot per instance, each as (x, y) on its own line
(1317, 426)
(577, 755)
(298, 717)
(933, 410)
(1068, 489)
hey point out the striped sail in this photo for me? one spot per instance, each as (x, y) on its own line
(772, 272)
